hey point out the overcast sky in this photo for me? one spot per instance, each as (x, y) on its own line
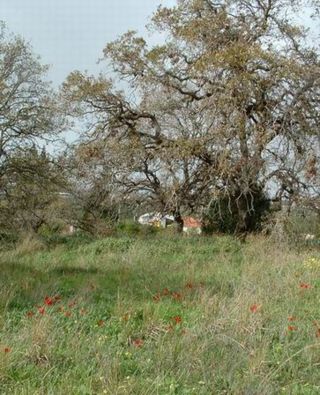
(70, 34)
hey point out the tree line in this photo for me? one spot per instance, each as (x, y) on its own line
(217, 121)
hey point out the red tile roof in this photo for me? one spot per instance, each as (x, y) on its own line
(190, 222)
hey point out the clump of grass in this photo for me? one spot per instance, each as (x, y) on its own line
(29, 244)
(159, 316)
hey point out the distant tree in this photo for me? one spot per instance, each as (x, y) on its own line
(29, 117)
(225, 110)
(27, 108)
(31, 188)
(93, 195)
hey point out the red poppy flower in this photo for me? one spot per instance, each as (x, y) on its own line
(41, 310)
(100, 323)
(7, 350)
(177, 319)
(165, 292)
(305, 285)
(48, 301)
(292, 318)
(156, 298)
(255, 307)
(292, 328)
(176, 295)
(137, 343)
(30, 314)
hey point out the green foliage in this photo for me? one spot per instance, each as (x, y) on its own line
(30, 198)
(29, 116)
(294, 226)
(231, 214)
(131, 228)
(7, 239)
(70, 241)
(300, 222)
(55, 227)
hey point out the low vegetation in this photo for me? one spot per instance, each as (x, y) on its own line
(159, 315)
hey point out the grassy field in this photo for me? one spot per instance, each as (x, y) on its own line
(160, 316)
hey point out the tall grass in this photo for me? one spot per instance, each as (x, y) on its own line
(160, 316)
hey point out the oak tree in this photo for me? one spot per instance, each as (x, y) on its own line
(225, 110)
(28, 118)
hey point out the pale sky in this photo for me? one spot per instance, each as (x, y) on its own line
(71, 34)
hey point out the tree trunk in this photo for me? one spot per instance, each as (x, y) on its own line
(178, 219)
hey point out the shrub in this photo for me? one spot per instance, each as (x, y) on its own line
(293, 226)
(130, 228)
(237, 213)
(71, 241)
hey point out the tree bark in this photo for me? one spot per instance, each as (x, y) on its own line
(178, 219)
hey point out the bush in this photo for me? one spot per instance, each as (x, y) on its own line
(52, 229)
(70, 241)
(294, 226)
(130, 228)
(237, 213)
(29, 244)
(8, 239)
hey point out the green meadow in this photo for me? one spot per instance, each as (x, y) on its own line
(160, 315)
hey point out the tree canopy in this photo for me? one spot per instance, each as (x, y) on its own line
(28, 118)
(226, 108)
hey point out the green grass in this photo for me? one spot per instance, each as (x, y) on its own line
(249, 320)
